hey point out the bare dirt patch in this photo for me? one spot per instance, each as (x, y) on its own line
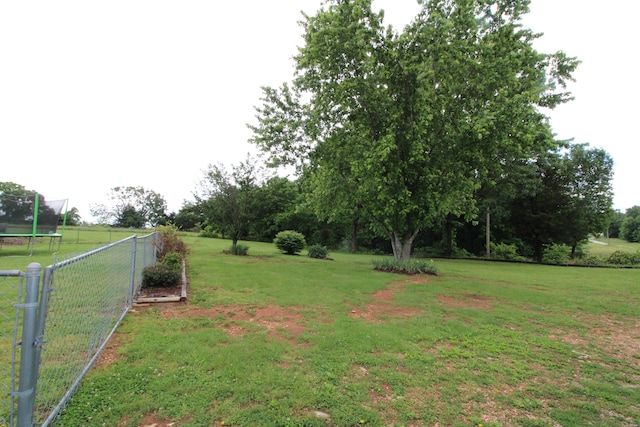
(152, 420)
(279, 322)
(477, 302)
(620, 338)
(110, 353)
(380, 307)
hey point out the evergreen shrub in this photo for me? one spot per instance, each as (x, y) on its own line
(289, 241)
(318, 251)
(160, 276)
(173, 261)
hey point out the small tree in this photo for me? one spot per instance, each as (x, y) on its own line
(228, 199)
(289, 242)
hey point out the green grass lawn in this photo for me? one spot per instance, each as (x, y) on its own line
(605, 246)
(275, 340)
(17, 256)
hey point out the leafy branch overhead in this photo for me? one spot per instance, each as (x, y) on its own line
(403, 127)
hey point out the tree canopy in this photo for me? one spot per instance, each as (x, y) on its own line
(406, 126)
(228, 198)
(630, 228)
(132, 206)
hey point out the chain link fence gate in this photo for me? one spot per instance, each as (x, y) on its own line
(82, 301)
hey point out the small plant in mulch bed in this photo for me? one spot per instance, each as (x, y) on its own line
(412, 266)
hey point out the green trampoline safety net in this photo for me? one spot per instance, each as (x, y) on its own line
(29, 215)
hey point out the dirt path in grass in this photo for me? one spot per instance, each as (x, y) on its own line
(381, 308)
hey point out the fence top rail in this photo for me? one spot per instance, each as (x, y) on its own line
(11, 273)
(91, 252)
(3, 235)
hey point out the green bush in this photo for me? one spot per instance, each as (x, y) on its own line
(413, 266)
(505, 252)
(591, 260)
(289, 241)
(160, 276)
(209, 231)
(239, 249)
(439, 250)
(318, 251)
(623, 258)
(556, 254)
(173, 261)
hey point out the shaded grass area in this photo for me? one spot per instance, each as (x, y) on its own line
(275, 340)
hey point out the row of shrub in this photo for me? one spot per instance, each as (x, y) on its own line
(561, 255)
(170, 252)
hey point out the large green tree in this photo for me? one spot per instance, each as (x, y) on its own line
(405, 126)
(588, 173)
(131, 206)
(630, 228)
(72, 217)
(560, 196)
(274, 199)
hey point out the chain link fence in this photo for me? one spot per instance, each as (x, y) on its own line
(83, 300)
(11, 291)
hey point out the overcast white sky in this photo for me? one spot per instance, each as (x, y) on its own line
(95, 95)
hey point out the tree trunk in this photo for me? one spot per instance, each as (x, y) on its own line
(538, 251)
(353, 239)
(448, 235)
(402, 247)
(488, 233)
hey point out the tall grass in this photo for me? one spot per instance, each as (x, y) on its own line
(275, 340)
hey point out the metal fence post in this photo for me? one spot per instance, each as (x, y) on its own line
(133, 271)
(28, 355)
(42, 312)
